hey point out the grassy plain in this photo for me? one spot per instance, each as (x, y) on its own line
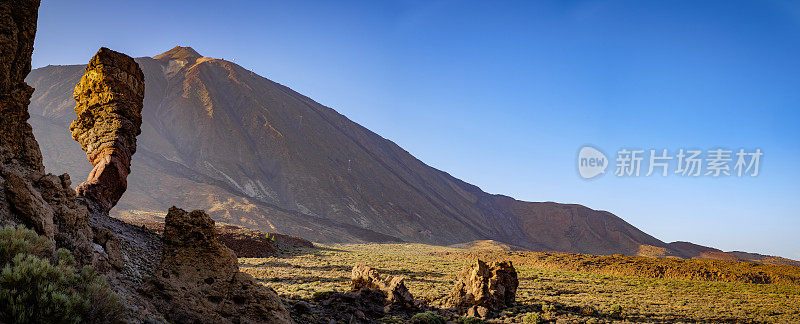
(555, 287)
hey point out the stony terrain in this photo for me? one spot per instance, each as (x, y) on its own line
(43, 202)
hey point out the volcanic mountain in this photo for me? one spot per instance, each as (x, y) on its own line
(255, 153)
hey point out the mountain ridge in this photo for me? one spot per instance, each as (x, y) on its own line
(253, 152)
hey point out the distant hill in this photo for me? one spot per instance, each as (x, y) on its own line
(695, 251)
(255, 153)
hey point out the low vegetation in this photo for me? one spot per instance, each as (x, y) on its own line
(659, 268)
(41, 285)
(553, 287)
(428, 318)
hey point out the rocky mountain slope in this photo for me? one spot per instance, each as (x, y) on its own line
(254, 153)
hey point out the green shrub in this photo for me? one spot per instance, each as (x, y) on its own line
(615, 311)
(16, 240)
(588, 311)
(106, 304)
(38, 285)
(469, 320)
(33, 291)
(391, 320)
(427, 318)
(534, 318)
(549, 308)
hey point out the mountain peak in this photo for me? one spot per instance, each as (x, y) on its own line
(179, 53)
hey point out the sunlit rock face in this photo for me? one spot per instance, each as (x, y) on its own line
(109, 117)
(483, 286)
(397, 295)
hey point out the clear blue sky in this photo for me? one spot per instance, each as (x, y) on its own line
(502, 94)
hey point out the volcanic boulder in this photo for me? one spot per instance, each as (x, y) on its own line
(109, 117)
(198, 279)
(397, 294)
(492, 286)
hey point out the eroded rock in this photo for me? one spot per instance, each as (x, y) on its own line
(397, 294)
(18, 21)
(482, 287)
(199, 279)
(109, 117)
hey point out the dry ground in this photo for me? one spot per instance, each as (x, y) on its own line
(548, 290)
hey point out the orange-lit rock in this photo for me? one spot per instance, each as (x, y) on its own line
(109, 117)
(482, 287)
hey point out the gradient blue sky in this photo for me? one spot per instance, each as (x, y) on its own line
(502, 94)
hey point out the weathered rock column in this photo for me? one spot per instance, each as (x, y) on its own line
(483, 287)
(397, 295)
(109, 117)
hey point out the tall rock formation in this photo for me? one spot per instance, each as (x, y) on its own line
(197, 279)
(109, 117)
(491, 286)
